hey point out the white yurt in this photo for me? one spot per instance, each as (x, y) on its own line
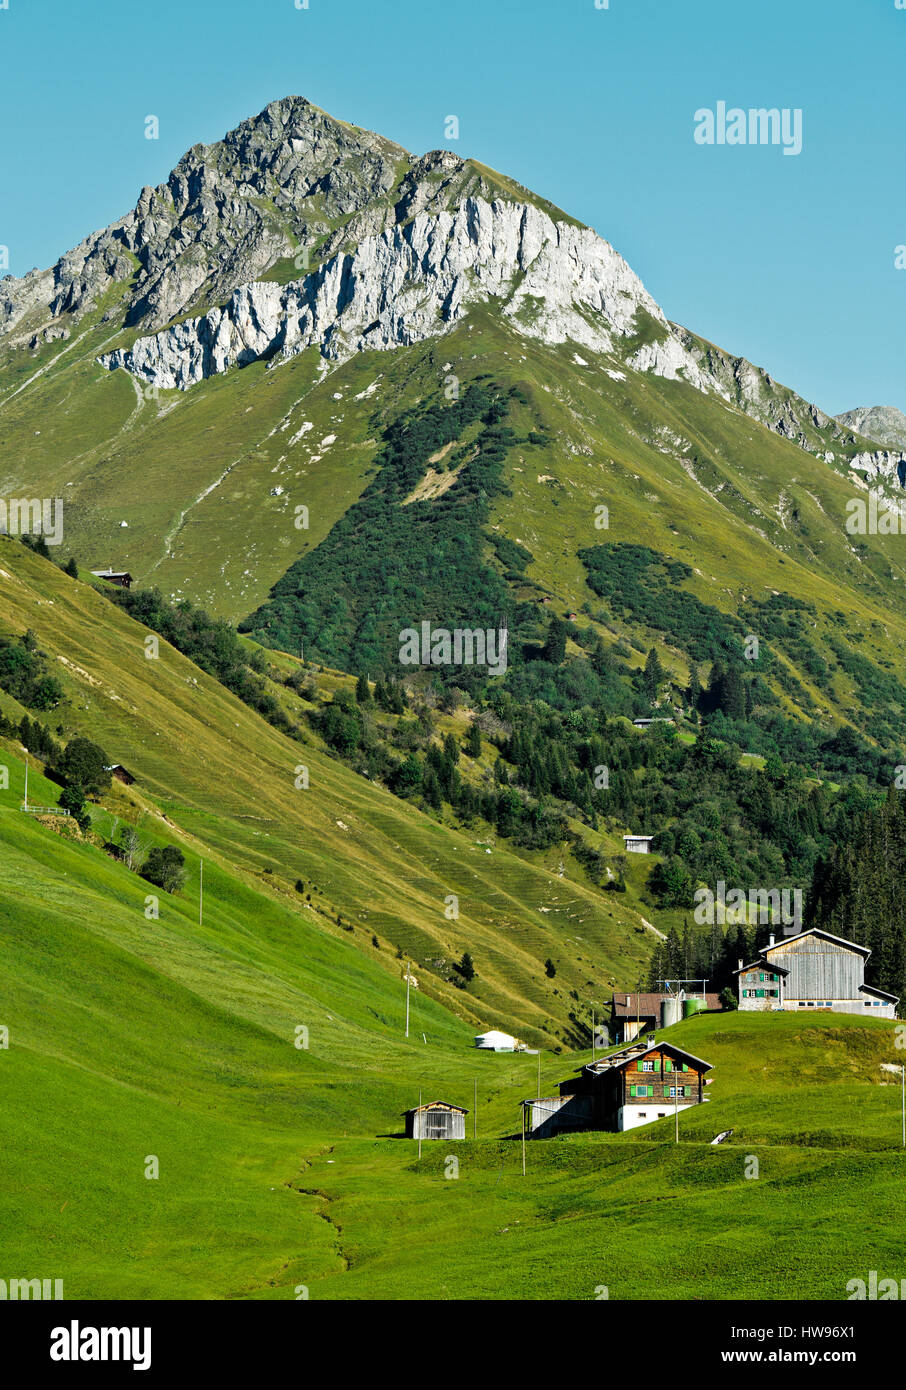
(495, 1041)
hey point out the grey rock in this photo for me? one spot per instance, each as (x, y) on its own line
(882, 423)
(551, 280)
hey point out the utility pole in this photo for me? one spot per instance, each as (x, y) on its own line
(408, 972)
(903, 1092)
(200, 891)
(676, 1105)
(419, 1121)
(26, 779)
(523, 1138)
(539, 1073)
(593, 1027)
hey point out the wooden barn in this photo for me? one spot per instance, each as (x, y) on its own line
(121, 578)
(120, 773)
(635, 1086)
(812, 970)
(437, 1120)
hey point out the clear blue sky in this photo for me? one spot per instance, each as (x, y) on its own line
(788, 261)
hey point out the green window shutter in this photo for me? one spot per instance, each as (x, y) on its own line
(639, 1066)
(649, 1091)
(632, 1090)
(668, 1065)
(685, 1067)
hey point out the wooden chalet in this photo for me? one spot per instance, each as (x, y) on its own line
(812, 970)
(636, 1086)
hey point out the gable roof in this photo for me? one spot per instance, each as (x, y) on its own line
(765, 951)
(761, 963)
(616, 1060)
(435, 1105)
(825, 935)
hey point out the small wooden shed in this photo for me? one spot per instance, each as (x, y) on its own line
(437, 1120)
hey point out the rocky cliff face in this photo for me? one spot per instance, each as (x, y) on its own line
(287, 181)
(885, 467)
(879, 422)
(552, 280)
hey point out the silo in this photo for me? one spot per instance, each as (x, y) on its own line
(670, 1011)
(692, 1006)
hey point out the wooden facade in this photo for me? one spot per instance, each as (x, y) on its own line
(635, 1086)
(121, 578)
(437, 1120)
(812, 970)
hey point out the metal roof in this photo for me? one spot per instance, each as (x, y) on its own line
(882, 994)
(435, 1105)
(827, 936)
(616, 1060)
(648, 1004)
(762, 960)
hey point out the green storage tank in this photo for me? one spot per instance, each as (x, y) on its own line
(692, 1006)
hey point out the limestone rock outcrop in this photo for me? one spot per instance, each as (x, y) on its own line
(553, 280)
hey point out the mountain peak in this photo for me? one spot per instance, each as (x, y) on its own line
(882, 423)
(228, 213)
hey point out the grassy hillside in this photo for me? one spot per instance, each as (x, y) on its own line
(225, 782)
(208, 483)
(132, 1040)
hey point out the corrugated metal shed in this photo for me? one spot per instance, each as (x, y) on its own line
(437, 1120)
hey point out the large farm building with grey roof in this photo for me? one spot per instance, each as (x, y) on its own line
(812, 970)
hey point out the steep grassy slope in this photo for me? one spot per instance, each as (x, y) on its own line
(130, 1038)
(225, 780)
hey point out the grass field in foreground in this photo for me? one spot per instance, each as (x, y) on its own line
(281, 1167)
